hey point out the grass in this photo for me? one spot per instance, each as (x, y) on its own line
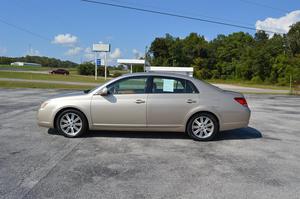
(35, 68)
(90, 79)
(11, 84)
(49, 77)
(247, 84)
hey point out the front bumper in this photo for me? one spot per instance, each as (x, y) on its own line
(44, 118)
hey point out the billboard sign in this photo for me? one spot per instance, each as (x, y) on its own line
(101, 47)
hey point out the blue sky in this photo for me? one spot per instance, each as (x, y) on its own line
(81, 24)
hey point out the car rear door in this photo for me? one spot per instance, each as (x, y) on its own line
(124, 106)
(169, 101)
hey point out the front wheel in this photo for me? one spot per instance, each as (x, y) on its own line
(71, 123)
(203, 127)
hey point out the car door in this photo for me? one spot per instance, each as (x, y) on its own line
(169, 101)
(124, 106)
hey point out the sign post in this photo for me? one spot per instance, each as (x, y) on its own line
(101, 48)
(96, 66)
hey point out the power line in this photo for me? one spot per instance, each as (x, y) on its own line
(263, 5)
(24, 30)
(178, 16)
(182, 13)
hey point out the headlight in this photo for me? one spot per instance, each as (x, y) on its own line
(44, 104)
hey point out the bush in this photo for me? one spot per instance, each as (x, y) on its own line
(257, 80)
(117, 74)
(86, 69)
(89, 69)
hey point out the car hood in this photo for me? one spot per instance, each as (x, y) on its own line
(66, 95)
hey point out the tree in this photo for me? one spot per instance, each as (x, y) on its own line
(235, 56)
(293, 37)
(44, 61)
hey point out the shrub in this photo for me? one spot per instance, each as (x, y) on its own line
(257, 80)
(89, 69)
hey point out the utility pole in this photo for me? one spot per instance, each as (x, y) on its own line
(146, 49)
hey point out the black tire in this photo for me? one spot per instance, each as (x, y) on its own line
(212, 118)
(84, 126)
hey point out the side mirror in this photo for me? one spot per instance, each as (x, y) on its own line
(104, 92)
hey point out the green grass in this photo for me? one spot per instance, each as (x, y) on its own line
(33, 68)
(49, 77)
(247, 84)
(36, 68)
(10, 84)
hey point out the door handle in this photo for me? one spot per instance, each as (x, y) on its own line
(139, 101)
(190, 101)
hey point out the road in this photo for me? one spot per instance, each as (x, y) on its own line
(222, 86)
(261, 161)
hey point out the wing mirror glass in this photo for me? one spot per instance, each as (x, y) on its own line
(103, 92)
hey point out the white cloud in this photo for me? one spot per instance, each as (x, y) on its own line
(73, 51)
(137, 54)
(65, 39)
(115, 54)
(281, 24)
(2, 50)
(88, 54)
(33, 52)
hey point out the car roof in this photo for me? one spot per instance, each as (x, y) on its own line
(167, 74)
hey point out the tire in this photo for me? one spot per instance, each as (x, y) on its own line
(203, 127)
(71, 123)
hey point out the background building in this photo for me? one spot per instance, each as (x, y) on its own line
(24, 64)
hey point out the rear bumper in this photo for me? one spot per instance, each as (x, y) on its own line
(241, 120)
(234, 125)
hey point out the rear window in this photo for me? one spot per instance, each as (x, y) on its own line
(172, 85)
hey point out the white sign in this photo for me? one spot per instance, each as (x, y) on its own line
(168, 85)
(101, 47)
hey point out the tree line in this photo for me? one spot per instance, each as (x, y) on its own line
(237, 56)
(44, 61)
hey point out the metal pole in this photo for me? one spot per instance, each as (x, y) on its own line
(291, 91)
(95, 65)
(105, 74)
(130, 68)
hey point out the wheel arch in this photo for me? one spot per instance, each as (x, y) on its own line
(69, 108)
(203, 111)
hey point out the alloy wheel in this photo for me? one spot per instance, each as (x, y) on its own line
(70, 123)
(203, 127)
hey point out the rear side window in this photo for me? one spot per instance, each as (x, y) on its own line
(172, 85)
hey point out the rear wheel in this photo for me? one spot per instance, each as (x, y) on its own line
(71, 123)
(203, 127)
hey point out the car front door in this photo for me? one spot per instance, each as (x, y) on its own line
(169, 102)
(123, 106)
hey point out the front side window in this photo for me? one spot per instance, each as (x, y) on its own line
(134, 85)
(172, 85)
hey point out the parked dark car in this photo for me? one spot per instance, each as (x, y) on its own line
(60, 71)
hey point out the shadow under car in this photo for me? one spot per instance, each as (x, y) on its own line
(237, 134)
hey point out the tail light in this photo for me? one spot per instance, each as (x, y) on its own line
(241, 101)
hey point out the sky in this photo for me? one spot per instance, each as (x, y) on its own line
(66, 29)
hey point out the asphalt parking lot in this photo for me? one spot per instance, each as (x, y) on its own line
(262, 161)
